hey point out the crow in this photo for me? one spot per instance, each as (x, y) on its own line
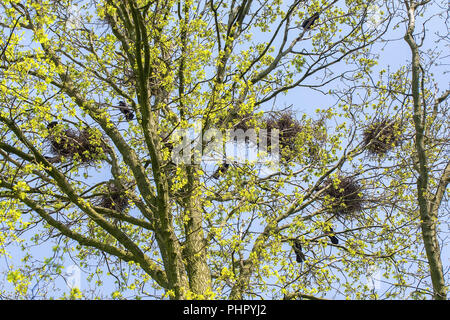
(330, 233)
(126, 110)
(308, 23)
(298, 251)
(220, 170)
(52, 124)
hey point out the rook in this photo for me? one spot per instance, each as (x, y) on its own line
(298, 251)
(308, 23)
(126, 110)
(222, 169)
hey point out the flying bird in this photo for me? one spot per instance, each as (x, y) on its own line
(298, 251)
(308, 23)
(221, 170)
(126, 110)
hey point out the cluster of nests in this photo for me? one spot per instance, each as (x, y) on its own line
(85, 146)
(113, 198)
(82, 145)
(288, 129)
(381, 136)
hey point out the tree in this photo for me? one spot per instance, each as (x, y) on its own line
(429, 200)
(107, 190)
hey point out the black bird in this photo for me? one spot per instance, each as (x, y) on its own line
(308, 23)
(52, 124)
(298, 251)
(330, 233)
(221, 170)
(126, 110)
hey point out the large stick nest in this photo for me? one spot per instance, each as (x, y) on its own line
(344, 196)
(113, 198)
(288, 128)
(85, 146)
(381, 136)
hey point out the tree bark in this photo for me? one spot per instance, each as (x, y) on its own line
(428, 219)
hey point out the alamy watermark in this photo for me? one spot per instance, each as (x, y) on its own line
(373, 278)
(74, 17)
(214, 144)
(374, 16)
(73, 277)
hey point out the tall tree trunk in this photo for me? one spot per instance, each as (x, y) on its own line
(194, 249)
(428, 221)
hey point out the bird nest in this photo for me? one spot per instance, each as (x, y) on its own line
(113, 198)
(381, 136)
(85, 146)
(288, 128)
(344, 196)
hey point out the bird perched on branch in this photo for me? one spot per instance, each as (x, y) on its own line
(221, 170)
(308, 23)
(330, 233)
(126, 110)
(52, 124)
(298, 251)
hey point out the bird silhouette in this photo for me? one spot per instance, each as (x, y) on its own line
(330, 233)
(308, 23)
(221, 170)
(298, 251)
(52, 125)
(126, 110)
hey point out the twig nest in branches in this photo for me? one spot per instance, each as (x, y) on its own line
(343, 196)
(288, 128)
(63, 143)
(84, 145)
(113, 198)
(381, 136)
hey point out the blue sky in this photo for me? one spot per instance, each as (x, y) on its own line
(394, 53)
